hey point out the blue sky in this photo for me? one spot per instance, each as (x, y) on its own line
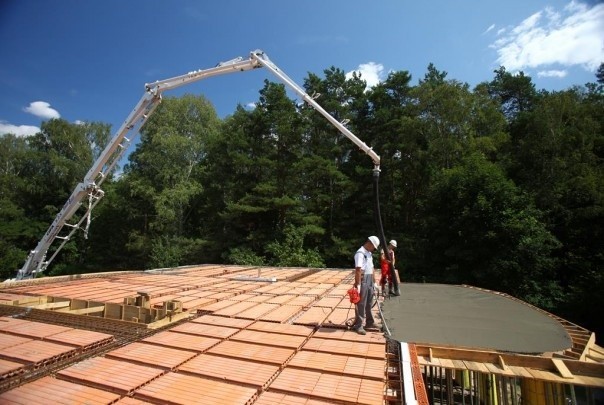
(87, 60)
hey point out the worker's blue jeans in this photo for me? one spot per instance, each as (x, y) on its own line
(363, 307)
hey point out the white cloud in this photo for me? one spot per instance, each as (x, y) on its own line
(18, 130)
(370, 72)
(573, 36)
(42, 109)
(250, 106)
(552, 73)
(491, 27)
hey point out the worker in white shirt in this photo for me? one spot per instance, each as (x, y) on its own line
(364, 280)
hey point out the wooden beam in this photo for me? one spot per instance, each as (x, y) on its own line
(562, 369)
(590, 343)
(51, 305)
(482, 356)
(166, 320)
(597, 349)
(83, 311)
(502, 363)
(26, 301)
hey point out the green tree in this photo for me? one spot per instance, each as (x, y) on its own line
(421, 130)
(392, 124)
(444, 108)
(559, 159)
(164, 181)
(244, 257)
(255, 159)
(115, 229)
(16, 229)
(600, 76)
(482, 230)
(39, 174)
(515, 93)
(229, 177)
(336, 174)
(290, 252)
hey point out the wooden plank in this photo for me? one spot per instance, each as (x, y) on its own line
(169, 319)
(562, 369)
(476, 366)
(85, 311)
(502, 363)
(113, 311)
(546, 376)
(131, 313)
(589, 381)
(425, 361)
(597, 349)
(51, 305)
(590, 342)
(446, 363)
(78, 304)
(520, 372)
(497, 369)
(459, 365)
(533, 362)
(26, 301)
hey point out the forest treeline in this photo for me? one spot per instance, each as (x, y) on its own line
(500, 186)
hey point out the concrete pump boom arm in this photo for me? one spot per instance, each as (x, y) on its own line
(102, 167)
(266, 62)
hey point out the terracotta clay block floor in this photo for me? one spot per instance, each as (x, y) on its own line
(329, 386)
(148, 354)
(186, 389)
(182, 341)
(113, 375)
(231, 370)
(247, 343)
(255, 352)
(51, 390)
(279, 398)
(339, 364)
(36, 330)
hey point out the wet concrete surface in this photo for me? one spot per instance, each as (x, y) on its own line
(466, 317)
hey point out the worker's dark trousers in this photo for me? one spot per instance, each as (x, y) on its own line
(364, 305)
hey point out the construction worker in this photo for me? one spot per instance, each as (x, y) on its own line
(386, 280)
(364, 282)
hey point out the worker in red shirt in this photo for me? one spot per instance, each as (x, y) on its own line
(385, 265)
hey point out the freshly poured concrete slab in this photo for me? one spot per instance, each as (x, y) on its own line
(459, 316)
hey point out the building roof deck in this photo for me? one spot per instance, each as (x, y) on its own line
(234, 340)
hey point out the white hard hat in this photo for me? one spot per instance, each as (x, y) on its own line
(375, 241)
(393, 243)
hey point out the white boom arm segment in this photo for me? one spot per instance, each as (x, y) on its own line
(102, 167)
(266, 62)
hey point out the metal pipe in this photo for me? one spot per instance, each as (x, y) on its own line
(377, 216)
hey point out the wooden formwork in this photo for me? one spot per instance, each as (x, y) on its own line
(133, 309)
